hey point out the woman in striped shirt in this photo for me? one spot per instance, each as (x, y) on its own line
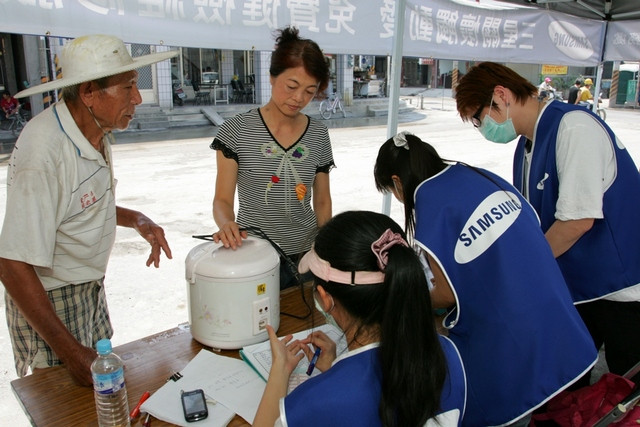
(275, 154)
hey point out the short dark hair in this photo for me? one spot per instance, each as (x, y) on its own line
(293, 51)
(475, 89)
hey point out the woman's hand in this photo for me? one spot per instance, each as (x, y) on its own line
(230, 235)
(285, 357)
(285, 354)
(319, 339)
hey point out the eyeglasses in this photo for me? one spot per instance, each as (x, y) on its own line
(475, 119)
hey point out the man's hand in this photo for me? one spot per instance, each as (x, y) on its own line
(78, 363)
(25, 289)
(149, 230)
(154, 234)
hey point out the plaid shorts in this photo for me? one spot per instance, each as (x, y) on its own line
(82, 308)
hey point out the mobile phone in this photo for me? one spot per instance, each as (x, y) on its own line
(194, 405)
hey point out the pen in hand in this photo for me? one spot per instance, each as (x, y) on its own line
(314, 360)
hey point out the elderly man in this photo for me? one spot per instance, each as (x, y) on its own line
(61, 214)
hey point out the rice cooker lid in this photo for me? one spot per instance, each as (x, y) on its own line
(255, 256)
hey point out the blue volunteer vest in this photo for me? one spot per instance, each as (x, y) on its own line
(348, 394)
(606, 258)
(519, 335)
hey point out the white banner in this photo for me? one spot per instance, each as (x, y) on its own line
(434, 28)
(623, 41)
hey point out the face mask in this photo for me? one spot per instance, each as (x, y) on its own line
(498, 132)
(329, 318)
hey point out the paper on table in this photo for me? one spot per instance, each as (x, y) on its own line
(259, 355)
(165, 405)
(231, 382)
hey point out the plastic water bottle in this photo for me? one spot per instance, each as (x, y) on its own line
(109, 388)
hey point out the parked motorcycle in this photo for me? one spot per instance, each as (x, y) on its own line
(550, 94)
(178, 94)
(600, 111)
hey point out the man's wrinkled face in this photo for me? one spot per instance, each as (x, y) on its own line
(115, 105)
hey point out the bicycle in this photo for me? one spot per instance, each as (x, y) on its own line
(17, 121)
(328, 106)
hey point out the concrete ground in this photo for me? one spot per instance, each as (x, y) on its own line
(171, 175)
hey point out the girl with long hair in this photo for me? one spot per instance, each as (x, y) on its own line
(397, 371)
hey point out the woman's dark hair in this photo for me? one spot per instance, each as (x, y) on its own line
(420, 162)
(293, 51)
(412, 166)
(413, 363)
(475, 89)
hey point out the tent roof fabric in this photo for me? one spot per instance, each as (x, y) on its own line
(607, 10)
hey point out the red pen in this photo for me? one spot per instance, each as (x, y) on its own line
(136, 411)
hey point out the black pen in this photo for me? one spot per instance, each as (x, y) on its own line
(313, 362)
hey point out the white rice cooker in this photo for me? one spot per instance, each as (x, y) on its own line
(233, 294)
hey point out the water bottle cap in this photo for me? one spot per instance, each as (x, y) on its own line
(104, 346)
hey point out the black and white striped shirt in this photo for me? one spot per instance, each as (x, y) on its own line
(268, 175)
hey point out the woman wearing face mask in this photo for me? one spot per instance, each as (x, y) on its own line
(509, 310)
(398, 371)
(584, 186)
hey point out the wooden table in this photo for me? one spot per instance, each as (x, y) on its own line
(50, 397)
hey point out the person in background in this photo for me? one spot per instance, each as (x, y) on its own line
(278, 158)
(574, 91)
(545, 90)
(8, 104)
(584, 186)
(61, 216)
(585, 93)
(507, 306)
(397, 371)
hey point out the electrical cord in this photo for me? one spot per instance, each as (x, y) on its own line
(283, 256)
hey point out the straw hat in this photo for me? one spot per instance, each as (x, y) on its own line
(93, 57)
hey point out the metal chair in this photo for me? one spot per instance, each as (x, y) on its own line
(246, 94)
(236, 96)
(202, 96)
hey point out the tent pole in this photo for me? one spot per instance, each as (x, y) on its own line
(394, 84)
(597, 87)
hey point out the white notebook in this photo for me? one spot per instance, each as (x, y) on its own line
(258, 356)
